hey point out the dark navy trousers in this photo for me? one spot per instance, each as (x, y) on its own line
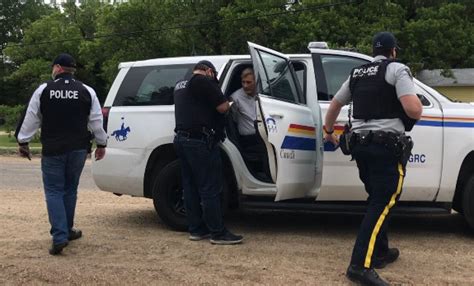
(201, 173)
(382, 175)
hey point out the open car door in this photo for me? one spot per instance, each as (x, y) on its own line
(285, 124)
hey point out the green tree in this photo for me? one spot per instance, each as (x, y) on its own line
(440, 38)
(41, 43)
(432, 33)
(15, 17)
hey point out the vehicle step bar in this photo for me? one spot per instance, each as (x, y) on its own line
(343, 208)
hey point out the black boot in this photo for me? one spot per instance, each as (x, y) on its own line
(74, 234)
(365, 276)
(57, 248)
(382, 261)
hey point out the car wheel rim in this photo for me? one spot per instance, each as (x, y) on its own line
(177, 201)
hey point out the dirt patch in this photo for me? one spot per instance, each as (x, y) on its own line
(125, 243)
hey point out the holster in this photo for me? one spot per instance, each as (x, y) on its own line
(346, 142)
(405, 145)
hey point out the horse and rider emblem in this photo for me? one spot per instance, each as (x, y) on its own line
(121, 134)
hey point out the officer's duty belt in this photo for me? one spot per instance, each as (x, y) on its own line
(192, 135)
(377, 137)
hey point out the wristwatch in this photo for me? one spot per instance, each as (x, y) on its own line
(327, 131)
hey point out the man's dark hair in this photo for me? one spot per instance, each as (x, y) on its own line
(382, 52)
(202, 67)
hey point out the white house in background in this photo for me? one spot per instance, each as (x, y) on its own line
(459, 87)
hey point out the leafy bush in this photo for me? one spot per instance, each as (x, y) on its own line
(9, 116)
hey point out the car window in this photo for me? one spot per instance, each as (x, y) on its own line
(336, 71)
(276, 77)
(152, 85)
(300, 72)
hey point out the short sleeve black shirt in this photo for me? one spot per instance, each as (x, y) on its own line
(195, 101)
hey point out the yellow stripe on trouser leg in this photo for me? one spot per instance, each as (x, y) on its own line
(378, 225)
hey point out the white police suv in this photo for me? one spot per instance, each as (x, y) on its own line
(294, 94)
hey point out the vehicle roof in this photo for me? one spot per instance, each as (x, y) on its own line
(220, 60)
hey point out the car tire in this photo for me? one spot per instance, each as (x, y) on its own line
(468, 202)
(168, 197)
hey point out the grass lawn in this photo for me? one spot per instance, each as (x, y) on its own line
(6, 141)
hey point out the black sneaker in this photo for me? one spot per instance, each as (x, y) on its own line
(57, 248)
(390, 257)
(365, 276)
(227, 239)
(74, 234)
(198, 237)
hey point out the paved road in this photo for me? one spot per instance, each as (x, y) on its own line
(21, 174)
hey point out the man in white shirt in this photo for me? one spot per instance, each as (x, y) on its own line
(244, 113)
(244, 109)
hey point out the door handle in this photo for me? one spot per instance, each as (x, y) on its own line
(277, 115)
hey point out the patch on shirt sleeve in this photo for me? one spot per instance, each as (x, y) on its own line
(407, 70)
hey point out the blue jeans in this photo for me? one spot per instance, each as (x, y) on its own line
(61, 175)
(201, 173)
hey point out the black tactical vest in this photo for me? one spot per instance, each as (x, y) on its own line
(373, 97)
(65, 106)
(193, 111)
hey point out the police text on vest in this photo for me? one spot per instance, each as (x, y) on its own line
(367, 71)
(64, 94)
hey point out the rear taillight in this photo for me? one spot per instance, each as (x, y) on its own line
(105, 114)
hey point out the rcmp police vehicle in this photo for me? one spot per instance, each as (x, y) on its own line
(294, 93)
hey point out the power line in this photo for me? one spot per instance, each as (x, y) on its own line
(187, 26)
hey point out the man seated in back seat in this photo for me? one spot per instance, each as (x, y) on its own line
(244, 109)
(244, 113)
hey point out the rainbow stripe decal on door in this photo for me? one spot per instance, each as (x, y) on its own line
(300, 137)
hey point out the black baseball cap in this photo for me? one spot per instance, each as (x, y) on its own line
(207, 64)
(65, 60)
(384, 41)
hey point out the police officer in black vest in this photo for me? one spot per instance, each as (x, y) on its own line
(385, 105)
(199, 112)
(66, 110)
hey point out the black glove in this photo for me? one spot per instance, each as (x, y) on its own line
(24, 151)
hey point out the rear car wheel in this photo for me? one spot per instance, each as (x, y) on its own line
(468, 201)
(168, 196)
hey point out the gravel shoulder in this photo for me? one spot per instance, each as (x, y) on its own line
(125, 243)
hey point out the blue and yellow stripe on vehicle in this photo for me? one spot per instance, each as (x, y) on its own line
(300, 137)
(436, 121)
